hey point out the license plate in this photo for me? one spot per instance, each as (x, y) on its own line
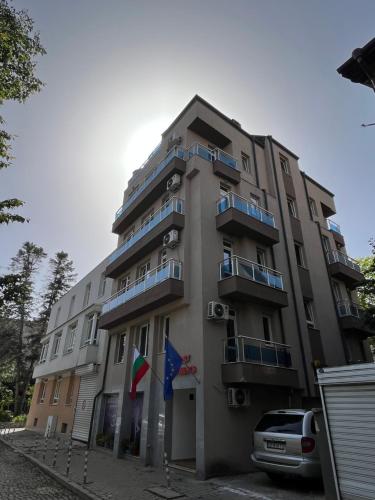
(276, 445)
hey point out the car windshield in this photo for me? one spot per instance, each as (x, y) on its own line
(281, 423)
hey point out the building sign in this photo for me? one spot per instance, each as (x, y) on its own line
(187, 368)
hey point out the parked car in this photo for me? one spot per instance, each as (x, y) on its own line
(285, 444)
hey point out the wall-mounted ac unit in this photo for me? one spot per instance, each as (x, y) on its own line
(217, 311)
(51, 426)
(170, 240)
(174, 183)
(238, 397)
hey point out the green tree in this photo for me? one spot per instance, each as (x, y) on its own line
(366, 292)
(19, 46)
(25, 264)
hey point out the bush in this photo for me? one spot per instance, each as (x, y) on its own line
(5, 416)
(19, 419)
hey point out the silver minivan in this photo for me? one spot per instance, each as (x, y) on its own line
(285, 444)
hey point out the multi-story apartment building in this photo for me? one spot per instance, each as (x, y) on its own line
(67, 375)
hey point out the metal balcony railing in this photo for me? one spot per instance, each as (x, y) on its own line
(175, 152)
(172, 205)
(238, 266)
(243, 349)
(332, 226)
(197, 149)
(232, 200)
(170, 269)
(348, 308)
(336, 256)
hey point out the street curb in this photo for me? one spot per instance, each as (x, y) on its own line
(59, 478)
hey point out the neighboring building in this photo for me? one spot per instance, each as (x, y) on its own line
(67, 375)
(243, 227)
(360, 68)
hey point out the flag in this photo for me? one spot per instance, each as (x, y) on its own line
(139, 368)
(172, 365)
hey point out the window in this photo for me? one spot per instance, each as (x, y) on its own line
(164, 333)
(292, 207)
(71, 306)
(64, 428)
(299, 255)
(42, 392)
(326, 245)
(165, 199)
(141, 339)
(313, 207)
(124, 282)
(69, 394)
(120, 348)
(309, 313)
(143, 269)
(261, 257)
(227, 250)
(129, 234)
(56, 344)
(56, 391)
(336, 291)
(255, 200)
(102, 285)
(87, 294)
(71, 336)
(57, 315)
(284, 162)
(88, 332)
(148, 216)
(224, 189)
(163, 256)
(43, 352)
(267, 330)
(245, 162)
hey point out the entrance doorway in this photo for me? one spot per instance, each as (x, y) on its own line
(183, 428)
(136, 425)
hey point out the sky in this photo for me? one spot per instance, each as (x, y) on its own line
(118, 72)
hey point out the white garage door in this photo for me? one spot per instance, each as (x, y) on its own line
(351, 416)
(85, 401)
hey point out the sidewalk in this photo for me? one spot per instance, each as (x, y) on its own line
(115, 479)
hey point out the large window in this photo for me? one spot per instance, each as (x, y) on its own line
(42, 392)
(313, 207)
(261, 257)
(102, 285)
(120, 348)
(163, 333)
(71, 306)
(309, 313)
(89, 329)
(87, 295)
(56, 344)
(71, 337)
(43, 352)
(141, 339)
(124, 282)
(245, 162)
(56, 391)
(292, 207)
(299, 255)
(284, 162)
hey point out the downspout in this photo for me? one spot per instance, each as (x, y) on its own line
(101, 390)
(299, 329)
(255, 162)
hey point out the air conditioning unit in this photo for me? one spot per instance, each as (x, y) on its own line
(51, 426)
(170, 240)
(217, 311)
(174, 183)
(238, 397)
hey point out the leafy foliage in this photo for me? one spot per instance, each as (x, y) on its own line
(19, 46)
(366, 292)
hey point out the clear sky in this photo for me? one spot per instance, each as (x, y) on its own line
(117, 72)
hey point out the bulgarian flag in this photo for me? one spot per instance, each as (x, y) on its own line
(139, 368)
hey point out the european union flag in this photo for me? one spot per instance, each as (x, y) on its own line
(172, 365)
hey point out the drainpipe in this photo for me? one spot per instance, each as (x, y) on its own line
(101, 389)
(255, 162)
(299, 329)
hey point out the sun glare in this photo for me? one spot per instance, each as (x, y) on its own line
(143, 141)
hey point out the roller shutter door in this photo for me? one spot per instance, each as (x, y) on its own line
(84, 408)
(351, 416)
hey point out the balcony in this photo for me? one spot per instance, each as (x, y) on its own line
(244, 280)
(88, 353)
(150, 190)
(158, 287)
(344, 268)
(148, 237)
(335, 230)
(352, 318)
(249, 360)
(224, 165)
(238, 216)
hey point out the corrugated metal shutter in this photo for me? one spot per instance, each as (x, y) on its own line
(85, 401)
(351, 416)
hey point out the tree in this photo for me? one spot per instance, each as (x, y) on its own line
(25, 264)
(366, 292)
(19, 46)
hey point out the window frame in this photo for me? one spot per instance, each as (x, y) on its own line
(138, 338)
(86, 297)
(42, 392)
(313, 207)
(71, 339)
(56, 344)
(270, 330)
(245, 162)
(56, 391)
(309, 310)
(284, 163)
(120, 348)
(292, 207)
(300, 256)
(71, 306)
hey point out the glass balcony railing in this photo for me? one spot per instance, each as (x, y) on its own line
(238, 266)
(348, 308)
(332, 226)
(172, 205)
(336, 256)
(175, 152)
(197, 149)
(242, 349)
(232, 200)
(170, 269)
